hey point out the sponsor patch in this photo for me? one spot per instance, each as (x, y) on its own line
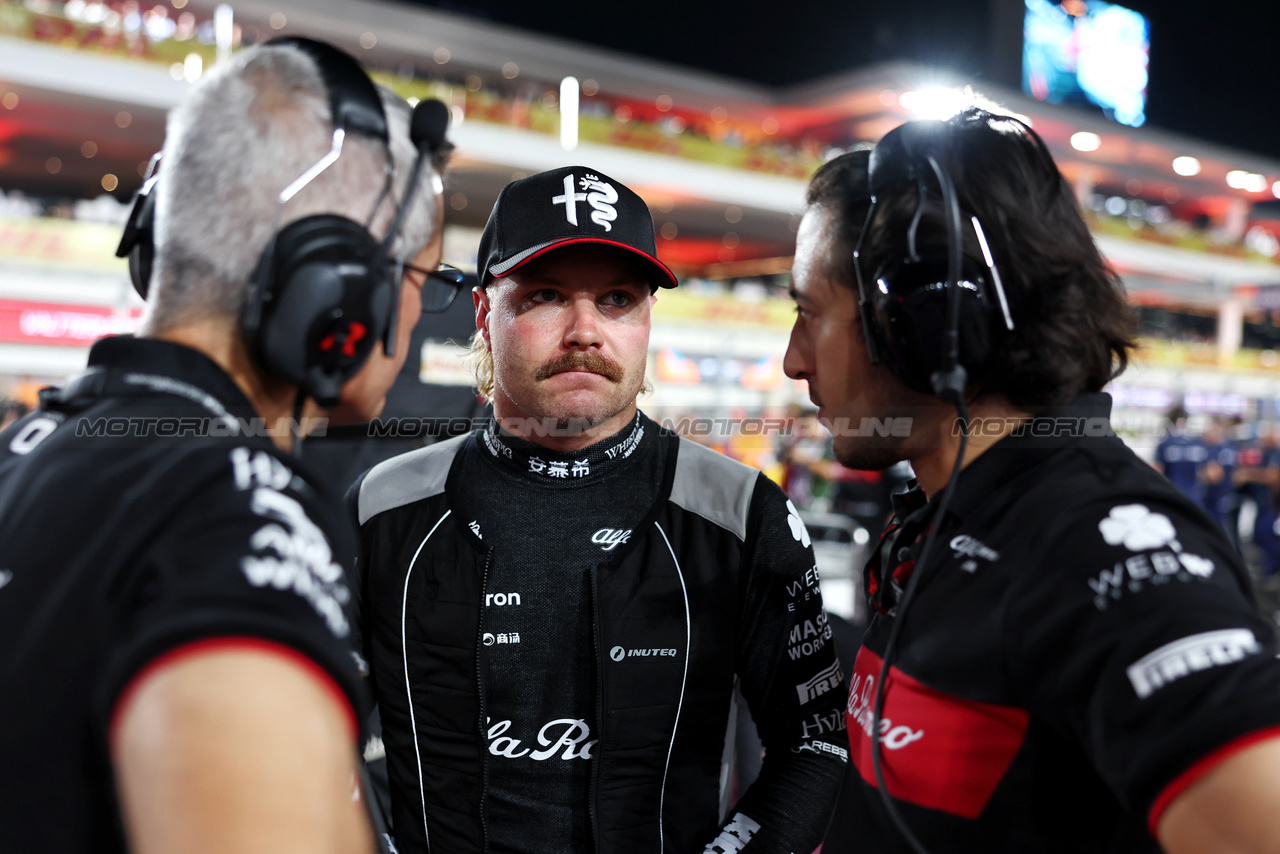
(809, 636)
(297, 557)
(798, 531)
(1136, 572)
(1137, 528)
(823, 747)
(609, 539)
(1189, 655)
(735, 835)
(924, 730)
(618, 653)
(827, 678)
(974, 549)
(571, 734)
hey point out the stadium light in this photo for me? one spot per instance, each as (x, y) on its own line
(569, 113)
(1186, 166)
(936, 102)
(1085, 141)
(223, 30)
(1250, 182)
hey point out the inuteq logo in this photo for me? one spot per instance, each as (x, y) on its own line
(1137, 528)
(618, 653)
(1190, 655)
(798, 531)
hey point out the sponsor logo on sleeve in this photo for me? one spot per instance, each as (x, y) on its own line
(798, 531)
(826, 679)
(253, 469)
(1136, 528)
(804, 589)
(809, 636)
(735, 835)
(1189, 655)
(296, 557)
(823, 747)
(819, 724)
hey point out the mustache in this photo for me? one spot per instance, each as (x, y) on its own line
(577, 361)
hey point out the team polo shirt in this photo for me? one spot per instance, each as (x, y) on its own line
(145, 516)
(1081, 648)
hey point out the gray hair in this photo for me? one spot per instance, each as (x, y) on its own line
(246, 131)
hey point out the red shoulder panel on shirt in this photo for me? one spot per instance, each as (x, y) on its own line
(940, 751)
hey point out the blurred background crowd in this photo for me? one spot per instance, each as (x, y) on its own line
(719, 138)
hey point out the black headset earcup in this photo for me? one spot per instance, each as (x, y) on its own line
(322, 300)
(910, 314)
(137, 243)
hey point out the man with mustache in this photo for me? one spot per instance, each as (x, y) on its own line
(559, 608)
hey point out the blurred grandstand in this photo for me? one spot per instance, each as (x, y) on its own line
(1193, 228)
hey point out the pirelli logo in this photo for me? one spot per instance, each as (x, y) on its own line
(1189, 655)
(824, 681)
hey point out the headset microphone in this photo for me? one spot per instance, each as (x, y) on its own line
(427, 128)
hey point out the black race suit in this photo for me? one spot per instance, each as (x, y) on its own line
(1083, 646)
(144, 517)
(555, 640)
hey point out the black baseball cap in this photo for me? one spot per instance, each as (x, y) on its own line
(566, 206)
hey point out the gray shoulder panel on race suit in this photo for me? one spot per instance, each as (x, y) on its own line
(713, 486)
(408, 478)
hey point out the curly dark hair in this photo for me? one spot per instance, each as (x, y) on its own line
(1073, 327)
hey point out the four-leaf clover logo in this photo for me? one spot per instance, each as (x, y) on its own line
(1137, 528)
(798, 530)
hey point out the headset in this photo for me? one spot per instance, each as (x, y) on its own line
(324, 290)
(930, 319)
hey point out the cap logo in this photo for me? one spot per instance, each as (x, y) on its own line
(601, 199)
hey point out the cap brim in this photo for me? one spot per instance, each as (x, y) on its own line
(664, 277)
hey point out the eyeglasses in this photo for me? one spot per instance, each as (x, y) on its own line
(439, 286)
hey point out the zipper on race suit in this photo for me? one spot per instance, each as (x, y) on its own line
(484, 729)
(599, 710)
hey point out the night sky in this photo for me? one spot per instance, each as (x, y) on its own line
(1214, 74)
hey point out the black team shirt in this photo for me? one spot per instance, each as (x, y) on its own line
(140, 522)
(549, 517)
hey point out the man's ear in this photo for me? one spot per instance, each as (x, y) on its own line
(480, 297)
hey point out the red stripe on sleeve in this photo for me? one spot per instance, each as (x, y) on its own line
(243, 644)
(1185, 780)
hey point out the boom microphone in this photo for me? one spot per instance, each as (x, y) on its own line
(427, 127)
